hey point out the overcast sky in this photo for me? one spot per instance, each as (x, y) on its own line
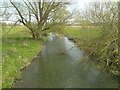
(80, 4)
(77, 4)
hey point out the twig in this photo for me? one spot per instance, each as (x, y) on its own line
(12, 27)
(62, 52)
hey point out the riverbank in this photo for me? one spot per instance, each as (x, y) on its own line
(98, 44)
(18, 49)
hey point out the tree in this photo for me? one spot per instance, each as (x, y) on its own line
(36, 15)
(100, 14)
(105, 15)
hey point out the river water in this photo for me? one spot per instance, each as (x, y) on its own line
(71, 69)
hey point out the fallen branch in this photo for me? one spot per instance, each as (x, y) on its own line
(62, 52)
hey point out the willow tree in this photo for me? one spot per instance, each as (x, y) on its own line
(36, 15)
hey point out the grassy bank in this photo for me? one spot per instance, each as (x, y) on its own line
(18, 49)
(98, 44)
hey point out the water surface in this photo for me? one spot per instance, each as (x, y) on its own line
(71, 69)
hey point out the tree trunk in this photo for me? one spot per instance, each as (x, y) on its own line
(35, 34)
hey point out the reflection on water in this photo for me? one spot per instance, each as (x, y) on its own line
(69, 70)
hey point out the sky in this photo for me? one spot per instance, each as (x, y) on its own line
(77, 4)
(81, 4)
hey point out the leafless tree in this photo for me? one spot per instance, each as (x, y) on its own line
(38, 16)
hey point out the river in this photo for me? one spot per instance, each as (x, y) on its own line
(71, 69)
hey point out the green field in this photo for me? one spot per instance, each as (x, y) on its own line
(18, 50)
(84, 33)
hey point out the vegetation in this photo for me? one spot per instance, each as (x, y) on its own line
(36, 16)
(98, 34)
(19, 49)
(23, 40)
(97, 44)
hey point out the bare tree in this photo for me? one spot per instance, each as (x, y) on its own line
(36, 15)
(100, 14)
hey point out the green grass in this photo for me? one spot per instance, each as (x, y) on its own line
(18, 50)
(84, 33)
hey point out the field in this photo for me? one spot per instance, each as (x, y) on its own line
(84, 33)
(99, 44)
(18, 49)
